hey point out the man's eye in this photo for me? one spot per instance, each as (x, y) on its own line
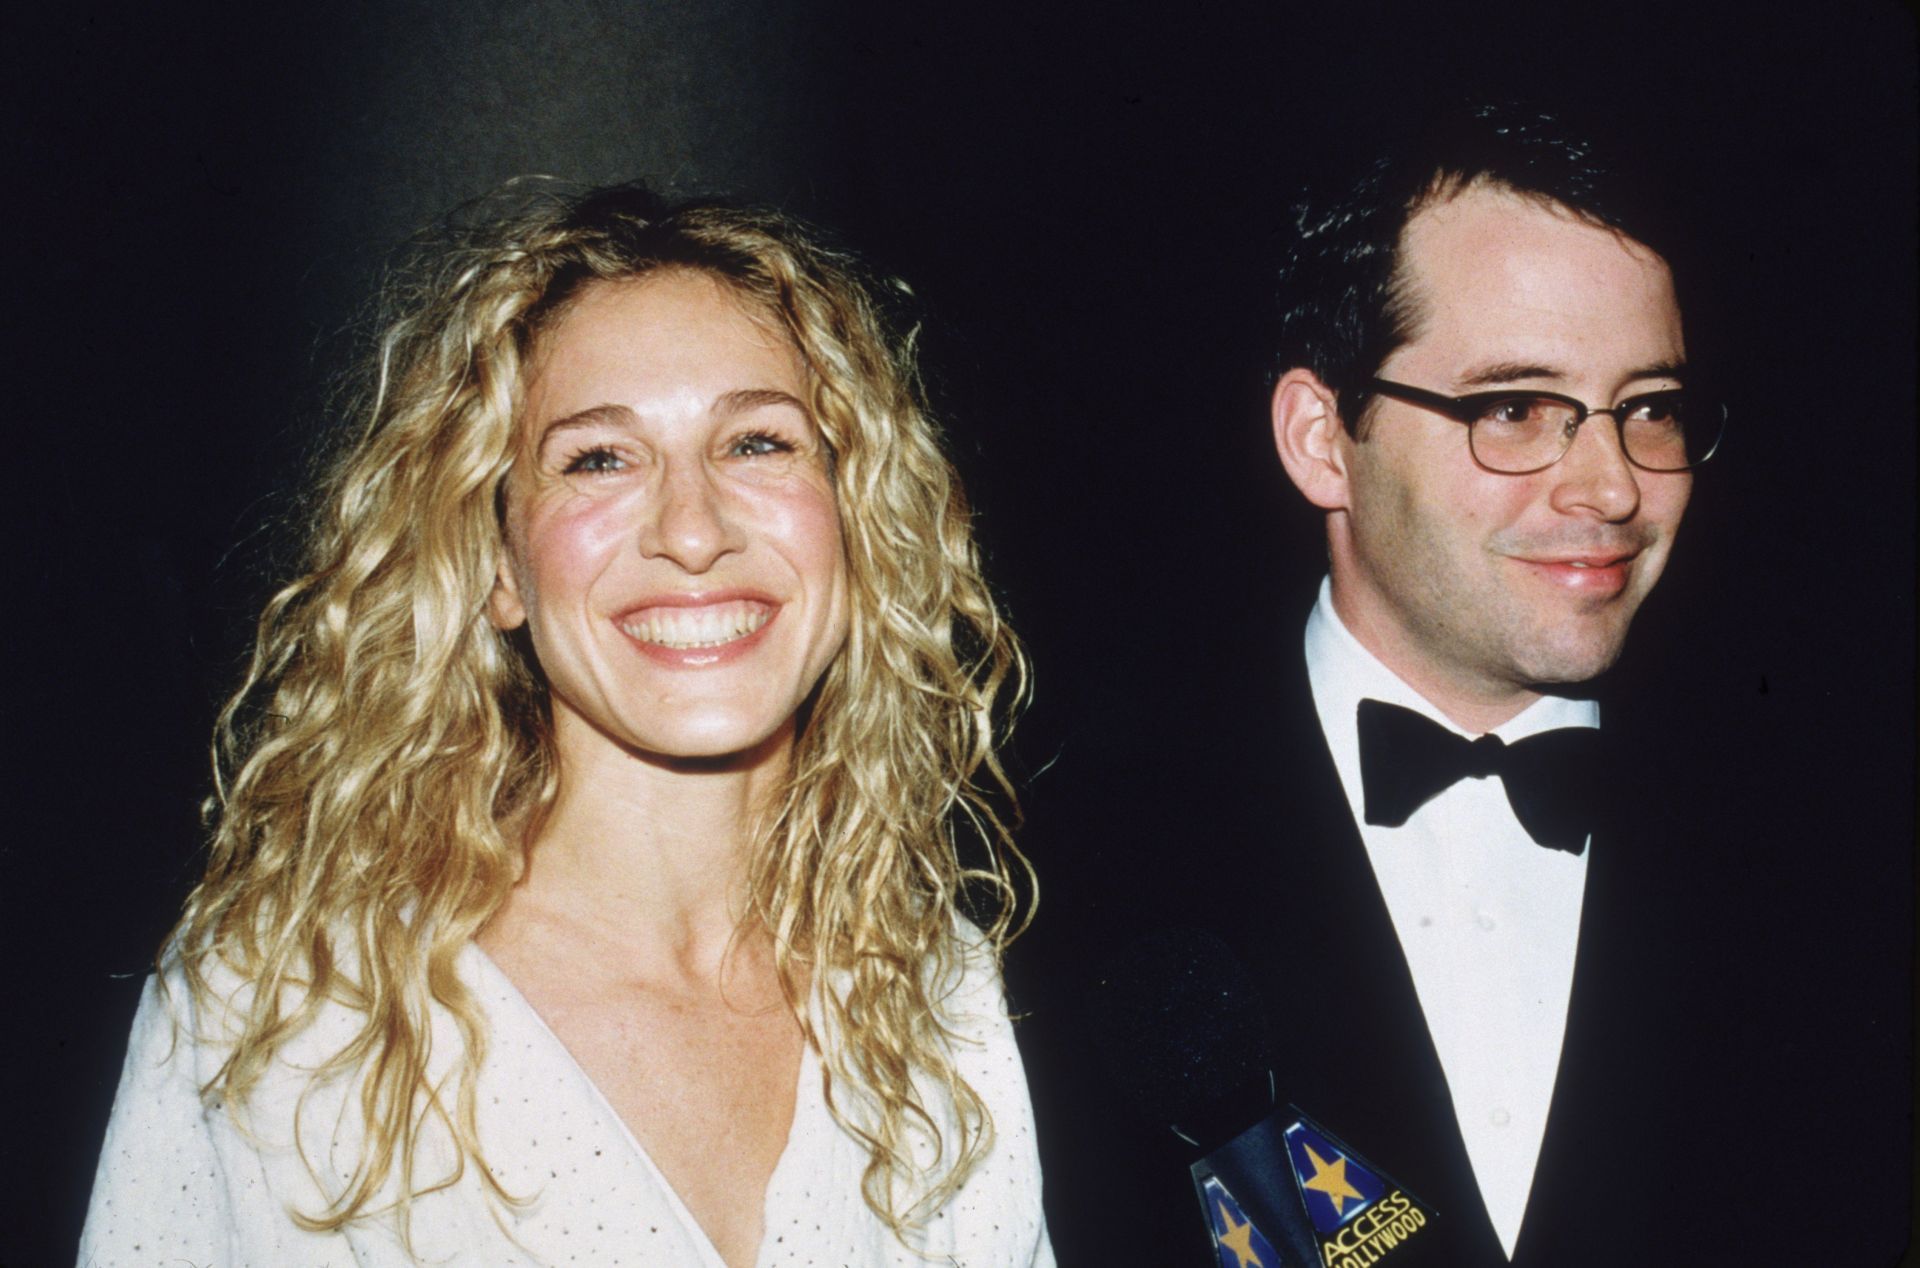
(594, 461)
(758, 444)
(1513, 411)
(1669, 410)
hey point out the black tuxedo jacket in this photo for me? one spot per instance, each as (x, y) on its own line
(1676, 1133)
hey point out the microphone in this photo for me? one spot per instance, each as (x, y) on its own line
(1186, 1037)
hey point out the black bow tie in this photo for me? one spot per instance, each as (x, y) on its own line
(1552, 779)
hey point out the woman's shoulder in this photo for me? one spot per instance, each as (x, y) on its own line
(971, 1000)
(308, 1045)
(191, 1014)
(212, 1000)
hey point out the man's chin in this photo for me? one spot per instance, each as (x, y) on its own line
(1558, 667)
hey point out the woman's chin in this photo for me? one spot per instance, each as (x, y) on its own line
(713, 743)
(704, 735)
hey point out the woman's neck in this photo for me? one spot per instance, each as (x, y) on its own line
(652, 852)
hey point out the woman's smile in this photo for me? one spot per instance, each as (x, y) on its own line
(690, 633)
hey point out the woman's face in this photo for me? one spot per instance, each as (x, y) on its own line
(672, 542)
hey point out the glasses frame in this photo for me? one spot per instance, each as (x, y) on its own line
(1468, 409)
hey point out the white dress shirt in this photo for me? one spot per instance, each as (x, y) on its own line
(1487, 919)
(180, 1183)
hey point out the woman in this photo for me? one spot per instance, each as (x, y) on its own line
(583, 885)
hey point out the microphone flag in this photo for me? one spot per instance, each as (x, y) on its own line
(1335, 1184)
(1252, 1173)
(1361, 1215)
(1286, 1193)
(1239, 1243)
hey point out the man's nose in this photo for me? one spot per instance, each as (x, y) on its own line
(1594, 477)
(689, 521)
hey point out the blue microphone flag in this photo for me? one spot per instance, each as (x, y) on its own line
(1239, 1242)
(1360, 1213)
(1335, 1184)
(1287, 1193)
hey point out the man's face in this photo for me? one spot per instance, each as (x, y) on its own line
(1482, 585)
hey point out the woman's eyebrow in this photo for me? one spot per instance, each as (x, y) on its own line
(740, 400)
(592, 416)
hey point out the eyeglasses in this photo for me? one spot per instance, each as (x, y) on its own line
(1518, 433)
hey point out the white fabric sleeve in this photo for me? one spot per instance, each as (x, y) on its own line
(159, 1195)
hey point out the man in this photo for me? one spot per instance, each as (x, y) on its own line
(1486, 390)
(1493, 983)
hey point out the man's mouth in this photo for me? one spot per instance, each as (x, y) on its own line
(1595, 575)
(704, 625)
(1590, 561)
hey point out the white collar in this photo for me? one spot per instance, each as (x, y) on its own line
(1342, 673)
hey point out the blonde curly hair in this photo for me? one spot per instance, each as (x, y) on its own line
(376, 771)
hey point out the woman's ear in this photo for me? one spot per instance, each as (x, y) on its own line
(1309, 436)
(505, 608)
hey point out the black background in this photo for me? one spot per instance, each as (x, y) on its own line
(1086, 200)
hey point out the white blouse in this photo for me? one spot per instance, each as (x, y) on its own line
(180, 1182)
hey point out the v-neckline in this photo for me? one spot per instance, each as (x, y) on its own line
(805, 1107)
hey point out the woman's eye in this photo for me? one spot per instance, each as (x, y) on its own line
(758, 444)
(595, 461)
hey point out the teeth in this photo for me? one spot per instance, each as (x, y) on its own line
(710, 625)
(1576, 563)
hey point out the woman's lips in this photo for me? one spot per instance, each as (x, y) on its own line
(704, 625)
(691, 630)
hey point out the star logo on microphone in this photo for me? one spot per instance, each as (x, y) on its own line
(1330, 1178)
(1335, 1185)
(1361, 1216)
(1241, 1245)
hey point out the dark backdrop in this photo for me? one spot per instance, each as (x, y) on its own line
(1087, 203)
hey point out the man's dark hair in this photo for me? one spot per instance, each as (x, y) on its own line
(1344, 303)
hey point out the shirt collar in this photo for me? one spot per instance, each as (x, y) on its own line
(1342, 673)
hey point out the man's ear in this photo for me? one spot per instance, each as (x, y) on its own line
(1310, 439)
(504, 606)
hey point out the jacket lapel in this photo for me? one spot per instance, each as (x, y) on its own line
(1618, 1146)
(1354, 1050)
(1576, 1155)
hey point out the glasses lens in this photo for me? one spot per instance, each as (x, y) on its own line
(1521, 433)
(1669, 431)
